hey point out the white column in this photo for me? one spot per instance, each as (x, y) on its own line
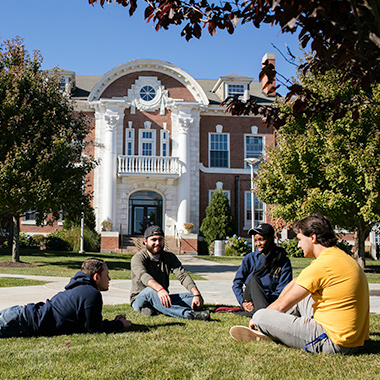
(183, 213)
(109, 166)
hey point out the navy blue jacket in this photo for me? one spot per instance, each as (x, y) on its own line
(272, 283)
(78, 309)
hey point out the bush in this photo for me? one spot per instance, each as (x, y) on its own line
(237, 246)
(27, 241)
(345, 246)
(218, 222)
(290, 246)
(56, 241)
(91, 239)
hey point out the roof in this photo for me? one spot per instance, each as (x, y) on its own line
(85, 84)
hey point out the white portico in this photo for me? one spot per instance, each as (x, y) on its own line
(147, 116)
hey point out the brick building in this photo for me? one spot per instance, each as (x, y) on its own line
(164, 145)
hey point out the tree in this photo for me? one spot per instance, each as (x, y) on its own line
(327, 163)
(42, 141)
(218, 222)
(343, 34)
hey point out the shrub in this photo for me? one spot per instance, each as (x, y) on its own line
(237, 246)
(345, 246)
(27, 241)
(290, 246)
(218, 222)
(91, 239)
(56, 241)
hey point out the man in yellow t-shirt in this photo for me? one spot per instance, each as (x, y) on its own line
(325, 309)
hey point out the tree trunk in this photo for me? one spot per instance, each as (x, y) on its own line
(359, 250)
(15, 239)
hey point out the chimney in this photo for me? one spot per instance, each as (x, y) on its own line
(269, 63)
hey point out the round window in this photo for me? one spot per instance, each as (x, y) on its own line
(147, 93)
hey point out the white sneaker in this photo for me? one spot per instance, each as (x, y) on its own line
(245, 334)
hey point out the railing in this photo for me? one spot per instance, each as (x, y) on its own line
(153, 165)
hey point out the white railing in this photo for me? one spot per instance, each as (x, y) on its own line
(128, 165)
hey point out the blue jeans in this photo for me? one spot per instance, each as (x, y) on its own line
(13, 322)
(180, 307)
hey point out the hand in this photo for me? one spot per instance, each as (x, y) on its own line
(248, 306)
(197, 302)
(164, 298)
(120, 316)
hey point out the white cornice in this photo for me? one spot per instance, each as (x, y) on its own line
(150, 65)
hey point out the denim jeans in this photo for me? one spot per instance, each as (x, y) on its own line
(180, 307)
(13, 322)
(297, 328)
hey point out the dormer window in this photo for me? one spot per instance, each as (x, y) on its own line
(236, 89)
(231, 85)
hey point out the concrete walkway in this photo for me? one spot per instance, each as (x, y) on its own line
(216, 290)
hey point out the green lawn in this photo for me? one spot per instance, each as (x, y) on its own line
(166, 348)
(298, 263)
(7, 282)
(66, 264)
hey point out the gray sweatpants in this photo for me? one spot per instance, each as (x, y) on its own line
(297, 328)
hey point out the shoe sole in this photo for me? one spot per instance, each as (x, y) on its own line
(245, 334)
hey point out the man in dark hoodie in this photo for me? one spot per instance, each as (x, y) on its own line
(263, 273)
(78, 309)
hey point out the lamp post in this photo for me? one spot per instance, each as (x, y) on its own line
(252, 162)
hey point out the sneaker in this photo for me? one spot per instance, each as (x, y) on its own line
(203, 315)
(148, 311)
(245, 334)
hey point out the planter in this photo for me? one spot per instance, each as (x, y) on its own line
(186, 232)
(219, 248)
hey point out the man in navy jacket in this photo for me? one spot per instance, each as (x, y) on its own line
(263, 273)
(78, 309)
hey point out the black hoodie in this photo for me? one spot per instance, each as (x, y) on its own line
(78, 309)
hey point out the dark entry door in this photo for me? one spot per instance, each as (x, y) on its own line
(144, 216)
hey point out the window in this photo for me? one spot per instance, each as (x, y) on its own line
(259, 211)
(147, 145)
(164, 143)
(219, 150)
(129, 142)
(236, 89)
(254, 147)
(225, 192)
(147, 93)
(30, 215)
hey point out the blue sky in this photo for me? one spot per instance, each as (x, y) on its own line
(76, 36)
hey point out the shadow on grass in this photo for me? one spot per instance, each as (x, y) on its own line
(144, 328)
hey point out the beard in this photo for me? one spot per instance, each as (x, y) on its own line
(154, 250)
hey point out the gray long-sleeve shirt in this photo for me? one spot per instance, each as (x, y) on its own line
(145, 268)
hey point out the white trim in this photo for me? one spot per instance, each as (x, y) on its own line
(204, 169)
(149, 65)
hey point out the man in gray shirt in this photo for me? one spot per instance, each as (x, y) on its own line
(150, 270)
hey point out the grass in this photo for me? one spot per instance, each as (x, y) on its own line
(8, 282)
(66, 264)
(372, 270)
(166, 348)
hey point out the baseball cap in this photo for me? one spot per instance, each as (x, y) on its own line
(152, 231)
(262, 229)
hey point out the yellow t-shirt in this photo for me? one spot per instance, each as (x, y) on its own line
(340, 292)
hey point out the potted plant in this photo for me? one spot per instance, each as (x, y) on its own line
(107, 225)
(188, 227)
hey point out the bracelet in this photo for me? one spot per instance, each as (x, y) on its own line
(197, 295)
(160, 290)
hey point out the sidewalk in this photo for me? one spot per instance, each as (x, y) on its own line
(216, 290)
